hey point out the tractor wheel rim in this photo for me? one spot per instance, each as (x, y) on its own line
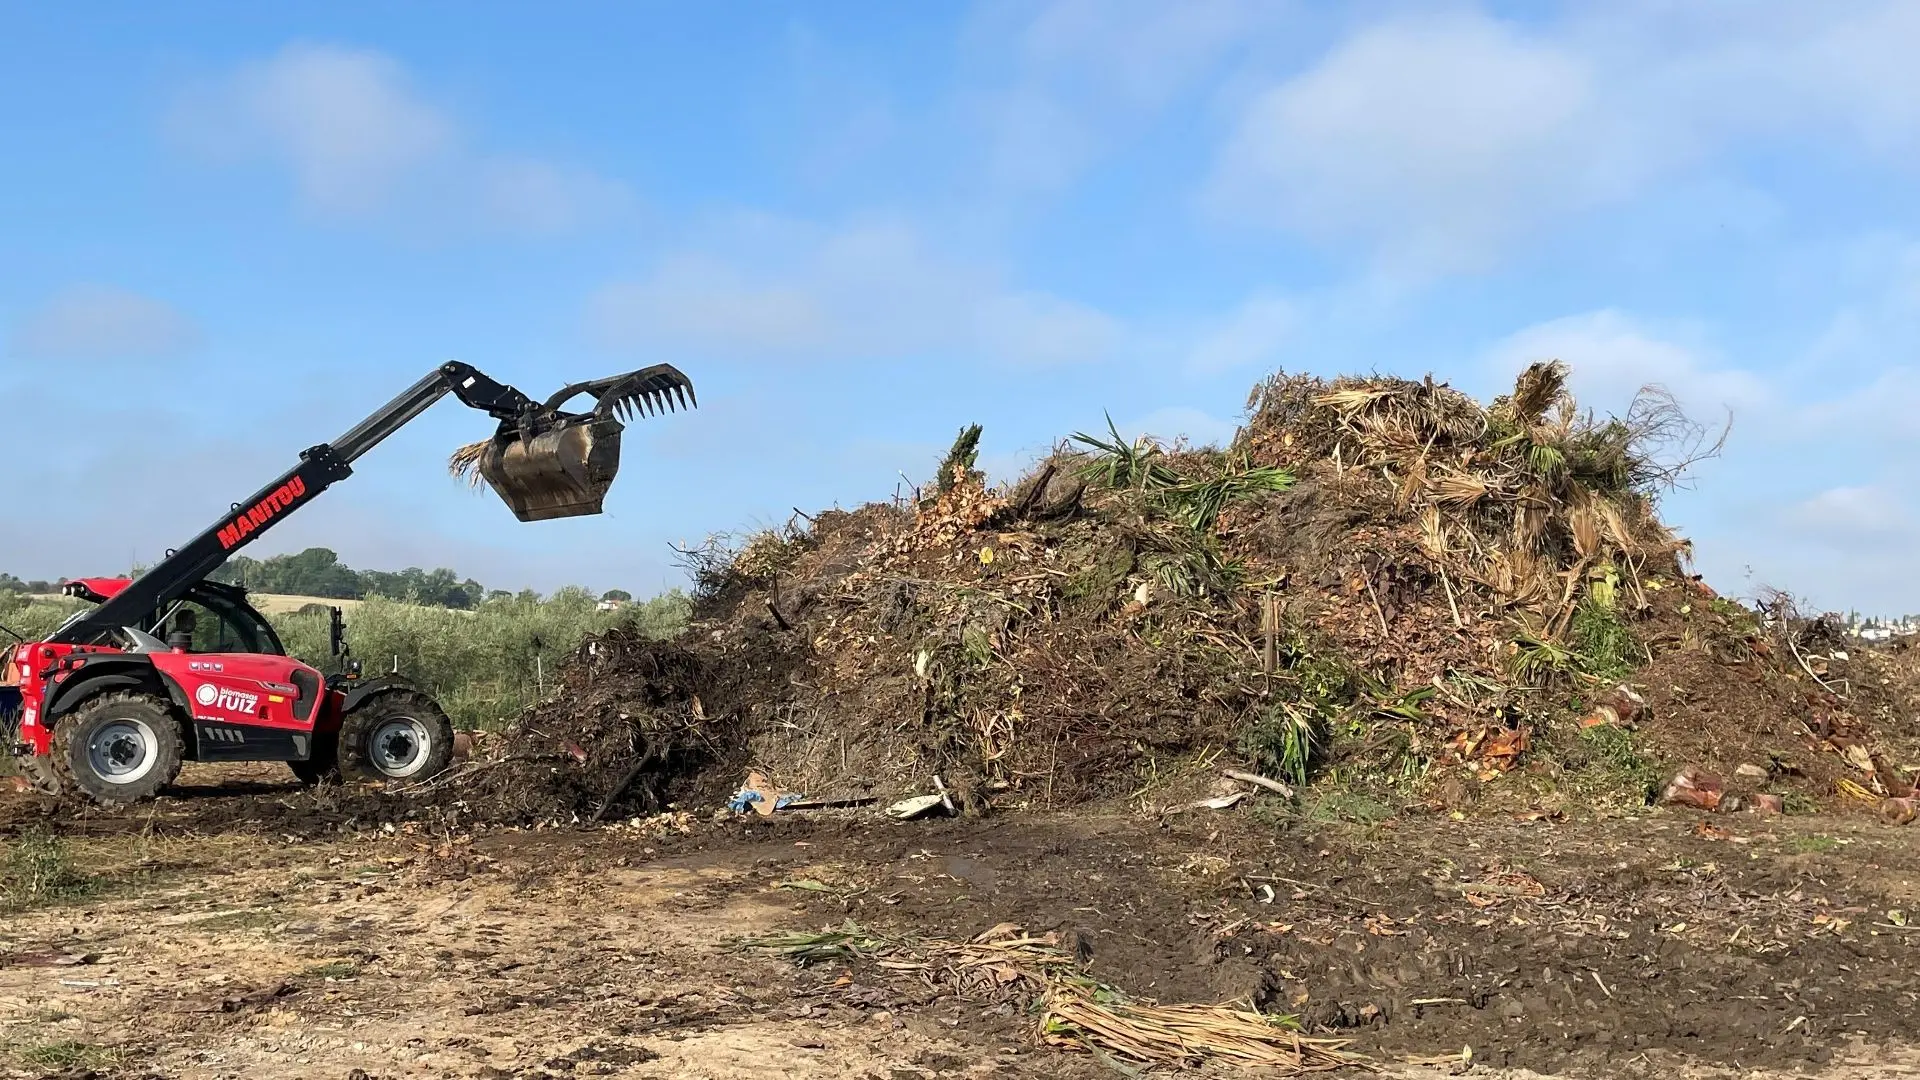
(123, 751)
(399, 747)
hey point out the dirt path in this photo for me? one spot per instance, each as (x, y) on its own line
(1625, 948)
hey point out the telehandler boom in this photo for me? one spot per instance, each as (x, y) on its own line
(170, 666)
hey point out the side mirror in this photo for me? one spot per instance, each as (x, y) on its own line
(336, 631)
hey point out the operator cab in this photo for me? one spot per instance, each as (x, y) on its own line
(212, 617)
(216, 618)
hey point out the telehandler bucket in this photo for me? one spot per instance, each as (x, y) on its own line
(555, 464)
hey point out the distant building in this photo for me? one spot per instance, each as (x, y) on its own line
(1875, 628)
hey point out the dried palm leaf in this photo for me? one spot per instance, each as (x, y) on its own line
(1458, 489)
(1188, 1034)
(1433, 533)
(1584, 522)
(1530, 520)
(464, 463)
(1389, 425)
(1616, 525)
(1538, 389)
(1413, 483)
(1077, 1012)
(1456, 417)
(1354, 399)
(1533, 579)
(1498, 575)
(1516, 579)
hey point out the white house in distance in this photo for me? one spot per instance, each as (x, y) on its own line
(1874, 629)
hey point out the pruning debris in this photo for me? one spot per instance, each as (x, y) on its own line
(1377, 578)
(1076, 1012)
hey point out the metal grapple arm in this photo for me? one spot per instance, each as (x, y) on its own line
(542, 462)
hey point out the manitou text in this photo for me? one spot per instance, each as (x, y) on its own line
(264, 511)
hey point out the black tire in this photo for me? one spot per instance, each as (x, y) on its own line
(40, 772)
(138, 732)
(398, 736)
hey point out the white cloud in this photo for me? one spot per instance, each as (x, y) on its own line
(1882, 410)
(1439, 137)
(1143, 50)
(346, 122)
(860, 293)
(1084, 73)
(360, 140)
(97, 322)
(1250, 337)
(705, 303)
(1438, 142)
(1612, 356)
(1856, 386)
(1035, 142)
(531, 196)
(1849, 546)
(1854, 517)
(1858, 69)
(1035, 328)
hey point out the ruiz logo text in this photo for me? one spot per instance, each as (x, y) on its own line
(233, 701)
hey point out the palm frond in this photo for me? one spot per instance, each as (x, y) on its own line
(1538, 389)
(1197, 504)
(1536, 661)
(1583, 521)
(464, 463)
(1546, 459)
(1118, 463)
(1460, 490)
(1353, 399)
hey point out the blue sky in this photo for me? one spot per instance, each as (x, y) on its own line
(228, 231)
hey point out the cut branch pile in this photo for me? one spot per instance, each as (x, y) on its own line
(1380, 575)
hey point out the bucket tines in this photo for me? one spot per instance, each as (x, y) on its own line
(557, 464)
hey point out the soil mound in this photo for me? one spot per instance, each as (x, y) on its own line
(1380, 581)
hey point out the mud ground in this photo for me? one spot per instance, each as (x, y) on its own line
(1670, 944)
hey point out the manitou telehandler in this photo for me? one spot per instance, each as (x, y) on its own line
(171, 667)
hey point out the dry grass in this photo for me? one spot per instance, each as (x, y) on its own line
(271, 604)
(1187, 1034)
(1075, 1011)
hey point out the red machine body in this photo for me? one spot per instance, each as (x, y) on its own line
(172, 666)
(248, 707)
(221, 688)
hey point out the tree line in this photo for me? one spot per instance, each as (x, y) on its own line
(319, 572)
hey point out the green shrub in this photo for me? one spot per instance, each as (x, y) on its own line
(33, 618)
(39, 870)
(1313, 693)
(1613, 763)
(484, 665)
(67, 1056)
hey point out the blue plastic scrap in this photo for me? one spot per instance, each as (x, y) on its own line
(746, 797)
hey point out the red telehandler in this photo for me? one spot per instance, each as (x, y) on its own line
(171, 667)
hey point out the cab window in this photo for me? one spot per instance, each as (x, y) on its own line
(214, 625)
